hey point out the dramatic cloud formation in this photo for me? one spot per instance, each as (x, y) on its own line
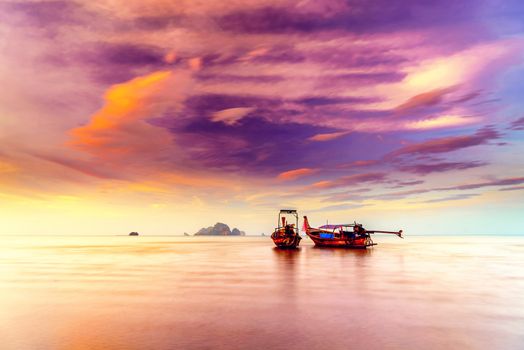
(120, 127)
(232, 108)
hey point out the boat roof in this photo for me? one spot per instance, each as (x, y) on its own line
(288, 211)
(332, 227)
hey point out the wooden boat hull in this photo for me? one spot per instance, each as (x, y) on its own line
(346, 242)
(343, 235)
(285, 241)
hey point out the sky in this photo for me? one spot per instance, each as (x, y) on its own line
(166, 116)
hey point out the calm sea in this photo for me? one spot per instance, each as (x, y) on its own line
(241, 293)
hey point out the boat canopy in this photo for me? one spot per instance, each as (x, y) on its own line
(333, 227)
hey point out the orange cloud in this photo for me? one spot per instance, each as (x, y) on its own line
(120, 127)
(195, 63)
(296, 173)
(170, 57)
(355, 179)
(6, 167)
(328, 137)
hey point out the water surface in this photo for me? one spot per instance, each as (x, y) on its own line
(241, 293)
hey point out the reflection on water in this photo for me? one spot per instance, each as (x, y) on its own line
(223, 293)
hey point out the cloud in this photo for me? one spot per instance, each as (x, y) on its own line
(339, 207)
(517, 124)
(443, 121)
(123, 54)
(296, 173)
(88, 168)
(499, 182)
(401, 184)
(456, 197)
(363, 163)
(120, 129)
(516, 188)
(328, 136)
(426, 99)
(424, 169)
(330, 100)
(448, 144)
(235, 78)
(357, 196)
(350, 180)
(241, 89)
(47, 13)
(352, 16)
(231, 116)
(353, 196)
(7, 167)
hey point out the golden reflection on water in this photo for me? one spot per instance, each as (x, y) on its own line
(222, 293)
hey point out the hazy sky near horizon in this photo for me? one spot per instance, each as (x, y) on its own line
(166, 116)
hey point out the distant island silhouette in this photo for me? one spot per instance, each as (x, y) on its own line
(220, 229)
(133, 233)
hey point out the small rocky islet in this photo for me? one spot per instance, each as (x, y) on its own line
(219, 229)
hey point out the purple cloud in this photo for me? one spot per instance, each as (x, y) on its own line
(358, 17)
(517, 124)
(125, 54)
(111, 63)
(500, 182)
(456, 197)
(516, 188)
(327, 100)
(448, 144)
(46, 13)
(424, 169)
(355, 196)
(401, 184)
(232, 78)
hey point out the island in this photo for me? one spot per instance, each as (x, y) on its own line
(133, 233)
(220, 229)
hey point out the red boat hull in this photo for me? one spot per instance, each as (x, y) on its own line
(345, 236)
(358, 243)
(284, 241)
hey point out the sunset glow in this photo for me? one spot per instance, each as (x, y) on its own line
(165, 117)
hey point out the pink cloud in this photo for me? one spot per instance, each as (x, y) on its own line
(350, 180)
(329, 136)
(296, 173)
(426, 99)
(88, 168)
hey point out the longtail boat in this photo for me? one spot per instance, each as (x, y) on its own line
(286, 234)
(343, 235)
